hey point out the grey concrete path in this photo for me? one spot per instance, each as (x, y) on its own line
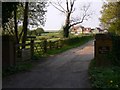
(66, 70)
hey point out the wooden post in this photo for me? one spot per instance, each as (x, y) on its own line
(57, 44)
(8, 51)
(32, 48)
(45, 45)
(50, 45)
(61, 43)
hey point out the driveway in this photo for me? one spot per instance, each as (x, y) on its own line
(66, 70)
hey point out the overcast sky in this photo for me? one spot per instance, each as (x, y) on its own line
(55, 19)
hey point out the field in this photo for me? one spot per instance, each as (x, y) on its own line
(53, 43)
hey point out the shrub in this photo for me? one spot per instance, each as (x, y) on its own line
(116, 49)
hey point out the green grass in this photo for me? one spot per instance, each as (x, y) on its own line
(104, 77)
(53, 39)
(107, 74)
(70, 43)
(24, 66)
(49, 35)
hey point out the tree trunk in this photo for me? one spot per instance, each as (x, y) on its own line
(16, 30)
(66, 31)
(67, 26)
(15, 22)
(25, 24)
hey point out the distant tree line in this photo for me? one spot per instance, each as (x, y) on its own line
(36, 32)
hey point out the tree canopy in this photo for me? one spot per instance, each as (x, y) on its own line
(111, 16)
(37, 12)
(24, 13)
(36, 32)
(7, 9)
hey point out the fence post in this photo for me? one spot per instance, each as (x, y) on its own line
(45, 45)
(8, 51)
(50, 45)
(57, 44)
(61, 43)
(32, 48)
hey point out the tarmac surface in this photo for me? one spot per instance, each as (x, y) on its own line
(66, 70)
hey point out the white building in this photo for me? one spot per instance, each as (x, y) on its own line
(76, 30)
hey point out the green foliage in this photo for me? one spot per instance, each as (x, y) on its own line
(24, 66)
(61, 32)
(41, 30)
(36, 16)
(115, 55)
(111, 17)
(37, 12)
(107, 76)
(70, 43)
(50, 35)
(36, 32)
(7, 17)
(58, 45)
(114, 28)
(7, 9)
(104, 77)
(20, 29)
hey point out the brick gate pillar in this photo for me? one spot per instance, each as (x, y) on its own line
(8, 51)
(103, 46)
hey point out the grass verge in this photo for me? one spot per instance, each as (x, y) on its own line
(24, 66)
(70, 43)
(104, 77)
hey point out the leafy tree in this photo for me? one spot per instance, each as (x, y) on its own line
(7, 9)
(36, 32)
(16, 12)
(34, 15)
(39, 31)
(37, 12)
(29, 33)
(33, 32)
(68, 10)
(111, 16)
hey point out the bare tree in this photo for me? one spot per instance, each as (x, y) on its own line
(68, 10)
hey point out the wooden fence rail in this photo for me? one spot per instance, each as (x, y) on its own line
(33, 48)
(43, 46)
(13, 53)
(26, 53)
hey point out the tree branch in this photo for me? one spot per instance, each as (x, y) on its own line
(85, 9)
(67, 5)
(78, 22)
(61, 6)
(57, 7)
(72, 4)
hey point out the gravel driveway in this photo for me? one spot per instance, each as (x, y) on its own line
(66, 70)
